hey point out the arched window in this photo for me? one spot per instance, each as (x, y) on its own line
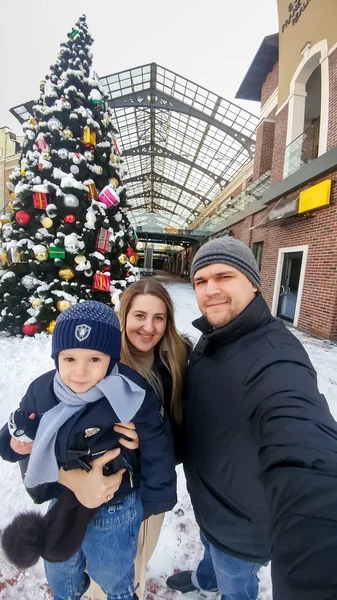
(307, 130)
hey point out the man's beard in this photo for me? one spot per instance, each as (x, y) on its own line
(220, 320)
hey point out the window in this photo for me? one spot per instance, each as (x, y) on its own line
(258, 251)
(307, 131)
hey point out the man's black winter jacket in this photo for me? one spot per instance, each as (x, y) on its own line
(261, 452)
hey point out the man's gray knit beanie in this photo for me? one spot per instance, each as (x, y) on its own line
(229, 251)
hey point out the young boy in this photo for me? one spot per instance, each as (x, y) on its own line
(76, 408)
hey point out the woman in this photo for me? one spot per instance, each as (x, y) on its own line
(152, 346)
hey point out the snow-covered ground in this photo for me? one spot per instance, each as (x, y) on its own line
(179, 548)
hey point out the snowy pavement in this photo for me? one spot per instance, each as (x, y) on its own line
(179, 548)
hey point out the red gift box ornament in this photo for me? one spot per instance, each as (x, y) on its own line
(40, 200)
(103, 243)
(41, 142)
(116, 146)
(109, 196)
(101, 282)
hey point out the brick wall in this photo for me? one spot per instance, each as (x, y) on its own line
(318, 230)
(332, 127)
(279, 146)
(263, 148)
(269, 85)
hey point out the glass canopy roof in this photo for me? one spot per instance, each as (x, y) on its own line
(181, 143)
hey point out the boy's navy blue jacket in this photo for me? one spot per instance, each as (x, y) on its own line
(152, 468)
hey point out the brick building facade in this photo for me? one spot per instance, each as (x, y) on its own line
(292, 229)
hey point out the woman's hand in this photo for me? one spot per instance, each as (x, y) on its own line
(21, 447)
(128, 430)
(93, 489)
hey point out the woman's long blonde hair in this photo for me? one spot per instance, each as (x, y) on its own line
(173, 348)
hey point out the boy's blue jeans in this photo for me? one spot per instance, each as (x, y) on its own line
(235, 579)
(108, 551)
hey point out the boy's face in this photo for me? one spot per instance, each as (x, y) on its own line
(81, 369)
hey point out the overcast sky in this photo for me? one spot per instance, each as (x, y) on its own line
(211, 42)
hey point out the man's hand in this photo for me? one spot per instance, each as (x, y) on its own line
(93, 489)
(128, 430)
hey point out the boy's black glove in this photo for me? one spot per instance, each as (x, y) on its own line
(21, 427)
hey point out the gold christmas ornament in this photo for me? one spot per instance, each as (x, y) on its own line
(67, 133)
(63, 305)
(12, 196)
(36, 302)
(133, 259)
(41, 255)
(47, 222)
(80, 259)
(10, 208)
(50, 328)
(3, 257)
(114, 181)
(122, 259)
(66, 273)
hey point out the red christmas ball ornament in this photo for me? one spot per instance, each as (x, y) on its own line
(129, 252)
(22, 218)
(29, 329)
(69, 219)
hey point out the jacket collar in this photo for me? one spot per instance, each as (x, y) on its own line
(254, 316)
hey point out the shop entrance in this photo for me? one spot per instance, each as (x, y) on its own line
(290, 280)
(289, 283)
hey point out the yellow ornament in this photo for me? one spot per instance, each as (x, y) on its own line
(63, 305)
(89, 137)
(32, 121)
(4, 219)
(122, 259)
(50, 328)
(47, 222)
(12, 196)
(3, 258)
(114, 181)
(10, 208)
(41, 256)
(80, 259)
(67, 133)
(132, 259)
(36, 303)
(66, 273)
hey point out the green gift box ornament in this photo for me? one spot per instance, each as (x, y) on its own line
(73, 33)
(56, 252)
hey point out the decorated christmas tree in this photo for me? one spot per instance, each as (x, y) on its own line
(67, 236)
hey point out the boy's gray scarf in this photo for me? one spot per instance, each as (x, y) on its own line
(125, 397)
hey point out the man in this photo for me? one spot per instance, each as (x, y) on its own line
(261, 445)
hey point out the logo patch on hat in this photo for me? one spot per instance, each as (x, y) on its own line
(82, 332)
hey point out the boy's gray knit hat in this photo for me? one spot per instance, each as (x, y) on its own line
(229, 251)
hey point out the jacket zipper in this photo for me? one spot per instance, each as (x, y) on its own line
(130, 471)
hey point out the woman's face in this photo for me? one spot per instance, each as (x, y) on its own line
(146, 322)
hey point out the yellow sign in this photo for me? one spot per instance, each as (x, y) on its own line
(315, 196)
